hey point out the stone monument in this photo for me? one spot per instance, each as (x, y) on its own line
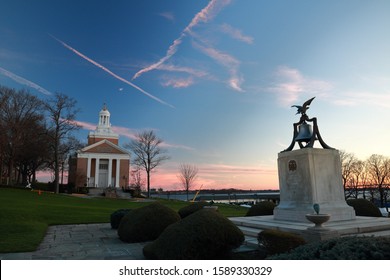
(309, 175)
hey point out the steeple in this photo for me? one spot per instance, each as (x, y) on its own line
(103, 129)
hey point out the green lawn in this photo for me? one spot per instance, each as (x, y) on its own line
(25, 215)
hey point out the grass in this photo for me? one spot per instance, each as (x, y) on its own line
(25, 215)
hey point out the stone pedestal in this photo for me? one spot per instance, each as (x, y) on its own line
(309, 176)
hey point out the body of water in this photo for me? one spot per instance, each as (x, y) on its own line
(232, 198)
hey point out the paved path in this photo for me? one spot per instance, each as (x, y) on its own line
(81, 242)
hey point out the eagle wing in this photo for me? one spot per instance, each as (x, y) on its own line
(307, 103)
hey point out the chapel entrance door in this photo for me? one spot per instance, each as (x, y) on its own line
(103, 174)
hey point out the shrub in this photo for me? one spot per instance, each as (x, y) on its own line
(192, 208)
(344, 248)
(276, 241)
(146, 223)
(206, 234)
(364, 207)
(261, 209)
(117, 216)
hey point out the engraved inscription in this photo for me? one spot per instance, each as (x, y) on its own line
(292, 165)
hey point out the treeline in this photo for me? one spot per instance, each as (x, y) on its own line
(368, 178)
(35, 135)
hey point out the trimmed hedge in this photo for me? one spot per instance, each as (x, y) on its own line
(146, 223)
(262, 208)
(344, 248)
(117, 216)
(364, 207)
(191, 208)
(276, 241)
(206, 234)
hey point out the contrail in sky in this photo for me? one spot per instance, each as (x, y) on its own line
(24, 81)
(110, 72)
(204, 15)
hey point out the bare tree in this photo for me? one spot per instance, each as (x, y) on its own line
(136, 179)
(137, 182)
(188, 175)
(347, 163)
(148, 153)
(378, 167)
(358, 178)
(62, 113)
(22, 126)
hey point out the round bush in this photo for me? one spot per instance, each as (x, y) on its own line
(117, 216)
(192, 208)
(344, 248)
(205, 234)
(364, 207)
(146, 223)
(276, 241)
(261, 209)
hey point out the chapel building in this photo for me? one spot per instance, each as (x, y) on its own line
(102, 163)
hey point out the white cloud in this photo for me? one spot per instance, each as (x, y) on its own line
(110, 72)
(24, 81)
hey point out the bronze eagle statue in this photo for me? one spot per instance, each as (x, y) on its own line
(302, 109)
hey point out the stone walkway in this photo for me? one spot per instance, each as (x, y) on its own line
(81, 242)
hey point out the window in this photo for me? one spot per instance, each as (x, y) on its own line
(103, 166)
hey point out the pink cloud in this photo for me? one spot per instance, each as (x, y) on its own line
(206, 14)
(290, 84)
(236, 33)
(219, 176)
(171, 51)
(178, 82)
(235, 83)
(210, 176)
(173, 68)
(130, 134)
(86, 125)
(227, 61)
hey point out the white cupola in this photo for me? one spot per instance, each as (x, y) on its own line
(104, 118)
(103, 129)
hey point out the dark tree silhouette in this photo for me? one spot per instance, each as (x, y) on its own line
(148, 153)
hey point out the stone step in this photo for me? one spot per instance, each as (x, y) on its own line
(367, 226)
(384, 233)
(122, 194)
(251, 242)
(95, 191)
(250, 231)
(267, 222)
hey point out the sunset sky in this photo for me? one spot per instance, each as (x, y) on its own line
(214, 79)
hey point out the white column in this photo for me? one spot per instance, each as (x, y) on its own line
(97, 172)
(88, 170)
(109, 171)
(117, 179)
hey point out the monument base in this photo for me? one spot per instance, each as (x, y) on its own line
(311, 176)
(360, 226)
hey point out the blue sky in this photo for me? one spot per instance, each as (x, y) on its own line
(215, 79)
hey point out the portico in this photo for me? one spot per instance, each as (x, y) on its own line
(104, 169)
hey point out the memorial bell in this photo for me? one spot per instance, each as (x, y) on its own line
(305, 133)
